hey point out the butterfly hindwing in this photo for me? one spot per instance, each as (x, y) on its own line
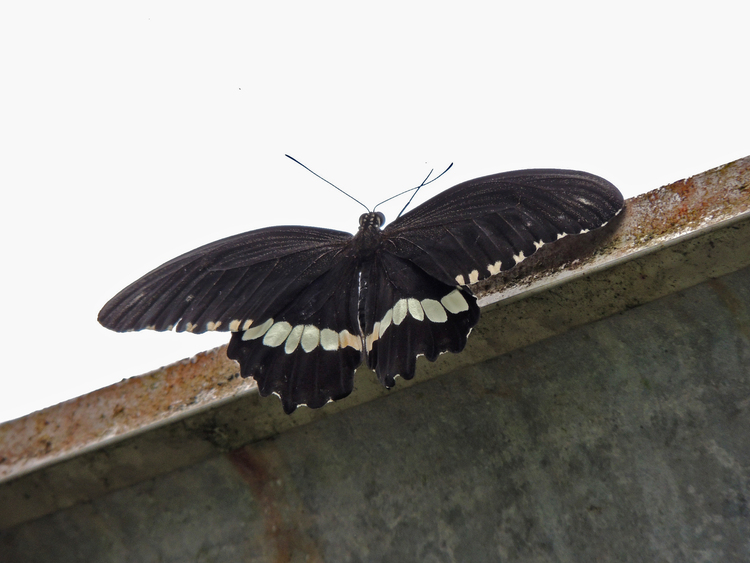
(308, 352)
(408, 313)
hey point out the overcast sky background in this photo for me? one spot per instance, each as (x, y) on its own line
(132, 132)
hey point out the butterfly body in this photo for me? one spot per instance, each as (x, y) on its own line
(307, 306)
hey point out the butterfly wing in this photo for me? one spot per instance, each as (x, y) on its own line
(467, 233)
(308, 351)
(408, 313)
(483, 226)
(230, 284)
(288, 294)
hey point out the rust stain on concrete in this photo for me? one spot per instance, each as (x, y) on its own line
(735, 305)
(132, 405)
(285, 520)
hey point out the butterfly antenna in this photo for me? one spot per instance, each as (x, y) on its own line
(423, 184)
(327, 182)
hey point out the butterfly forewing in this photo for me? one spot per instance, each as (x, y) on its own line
(483, 226)
(306, 306)
(245, 278)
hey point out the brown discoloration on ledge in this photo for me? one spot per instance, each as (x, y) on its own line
(117, 411)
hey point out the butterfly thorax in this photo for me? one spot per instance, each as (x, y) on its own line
(367, 238)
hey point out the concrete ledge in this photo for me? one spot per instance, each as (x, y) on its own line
(667, 240)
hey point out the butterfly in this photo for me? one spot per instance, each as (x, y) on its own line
(306, 306)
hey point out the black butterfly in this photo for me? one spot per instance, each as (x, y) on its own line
(306, 306)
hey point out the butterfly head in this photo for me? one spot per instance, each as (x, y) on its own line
(374, 219)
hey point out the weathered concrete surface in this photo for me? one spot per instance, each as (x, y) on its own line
(622, 440)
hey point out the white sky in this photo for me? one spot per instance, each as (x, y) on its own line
(132, 132)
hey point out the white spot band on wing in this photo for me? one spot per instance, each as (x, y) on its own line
(386, 322)
(292, 341)
(415, 309)
(372, 337)
(306, 336)
(310, 338)
(399, 311)
(346, 338)
(277, 334)
(329, 339)
(257, 331)
(434, 311)
(454, 302)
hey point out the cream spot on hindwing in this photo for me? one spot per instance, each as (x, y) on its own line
(234, 326)
(292, 341)
(346, 338)
(519, 258)
(460, 279)
(190, 327)
(434, 311)
(473, 276)
(329, 339)
(310, 338)
(371, 338)
(539, 244)
(247, 324)
(386, 322)
(277, 334)
(561, 235)
(212, 325)
(415, 309)
(399, 311)
(454, 302)
(257, 331)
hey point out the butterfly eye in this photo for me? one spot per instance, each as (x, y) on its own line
(371, 219)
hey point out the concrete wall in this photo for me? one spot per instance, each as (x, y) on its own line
(622, 440)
